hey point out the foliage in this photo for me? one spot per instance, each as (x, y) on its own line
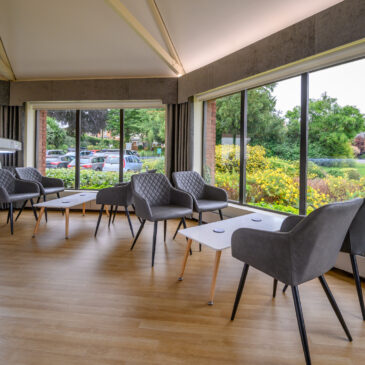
(56, 136)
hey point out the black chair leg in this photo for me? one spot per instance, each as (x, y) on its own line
(220, 214)
(200, 223)
(285, 287)
(138, 233)
(177, 229)
(301, 325)
(184, 225)
(155, 225)
(274, 288)
(45, 210)
(134, 209)
(239, 290)
(129, 220)
(335, 306)
(164, 230)
(20, 210)
(11, 218)
(39, 198)
(99, 218)
(110, 215)
(355, 271)
(8, 219)
(115, 212)
(34, 210)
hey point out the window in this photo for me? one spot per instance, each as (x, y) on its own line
(221, 165)
(144, 141)
(96, 135)
(273, 137)
(336, 134)
(273, 173)
(56, 144)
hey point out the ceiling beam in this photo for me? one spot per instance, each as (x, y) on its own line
(5, 68)
(164, 32)
(120, 9)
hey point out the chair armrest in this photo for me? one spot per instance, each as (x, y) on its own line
(143, 209)
(4, 196)
(269, 252)
(182, 198)
(213, 193)
(290, 222)
(51, 182)
(23, 186)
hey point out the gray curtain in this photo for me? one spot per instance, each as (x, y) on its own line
(12, 126)
(179, 144)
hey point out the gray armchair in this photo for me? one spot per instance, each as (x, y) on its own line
(206, 198)
(156, 200)
(47, 185)
(297, 255)
(354, 244)
(120, 195)
(14, 190)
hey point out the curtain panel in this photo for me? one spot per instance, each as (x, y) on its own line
(12, 127)
(179, 146)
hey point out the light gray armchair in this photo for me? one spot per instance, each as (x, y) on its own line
(294, 256)
(156, 200)
(206, 198)
(14, 190)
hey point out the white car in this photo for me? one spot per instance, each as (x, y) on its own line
(130, 163)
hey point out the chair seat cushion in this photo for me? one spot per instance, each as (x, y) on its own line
(204, 205)
(53, 190)
(163, 212)
(25, 196)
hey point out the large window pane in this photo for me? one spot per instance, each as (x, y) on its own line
(336, 147)
(273, 131)
(56, 144)
(222, 144)
(144, 141)
(99, 148)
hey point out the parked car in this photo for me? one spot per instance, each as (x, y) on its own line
(130, 163)
(58, 162)
(54, 153)
(131, 153)
(94, 163)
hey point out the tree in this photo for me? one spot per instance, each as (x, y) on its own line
(332, 128)
(56, 136)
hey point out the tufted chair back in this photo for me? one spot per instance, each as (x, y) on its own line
(189, 181)
(28, 173)
(7, 181)
(155, 188)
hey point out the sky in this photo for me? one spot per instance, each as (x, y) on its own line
(345, 82)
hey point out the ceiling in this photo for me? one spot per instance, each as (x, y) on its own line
(49, 39)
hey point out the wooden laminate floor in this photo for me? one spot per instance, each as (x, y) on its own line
(92, 301)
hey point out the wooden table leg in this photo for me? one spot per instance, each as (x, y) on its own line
(38, 221)
(83, 208)
(106, 210)
(215, 273)
(67, 218)
(187, 253)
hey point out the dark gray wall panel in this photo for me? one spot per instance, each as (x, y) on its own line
(336, 26)
(164, 89)
(4, 92)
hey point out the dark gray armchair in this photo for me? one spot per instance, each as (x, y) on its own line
(354, 244)
(156, 200)
(47, 185)
(120, 195)
(13, 190)
(300, 254)
(206, 198)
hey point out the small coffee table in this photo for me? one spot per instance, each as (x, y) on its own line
(206, 235)
(65, 203)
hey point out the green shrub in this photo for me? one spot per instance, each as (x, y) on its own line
(334, 171)
(353, 174)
